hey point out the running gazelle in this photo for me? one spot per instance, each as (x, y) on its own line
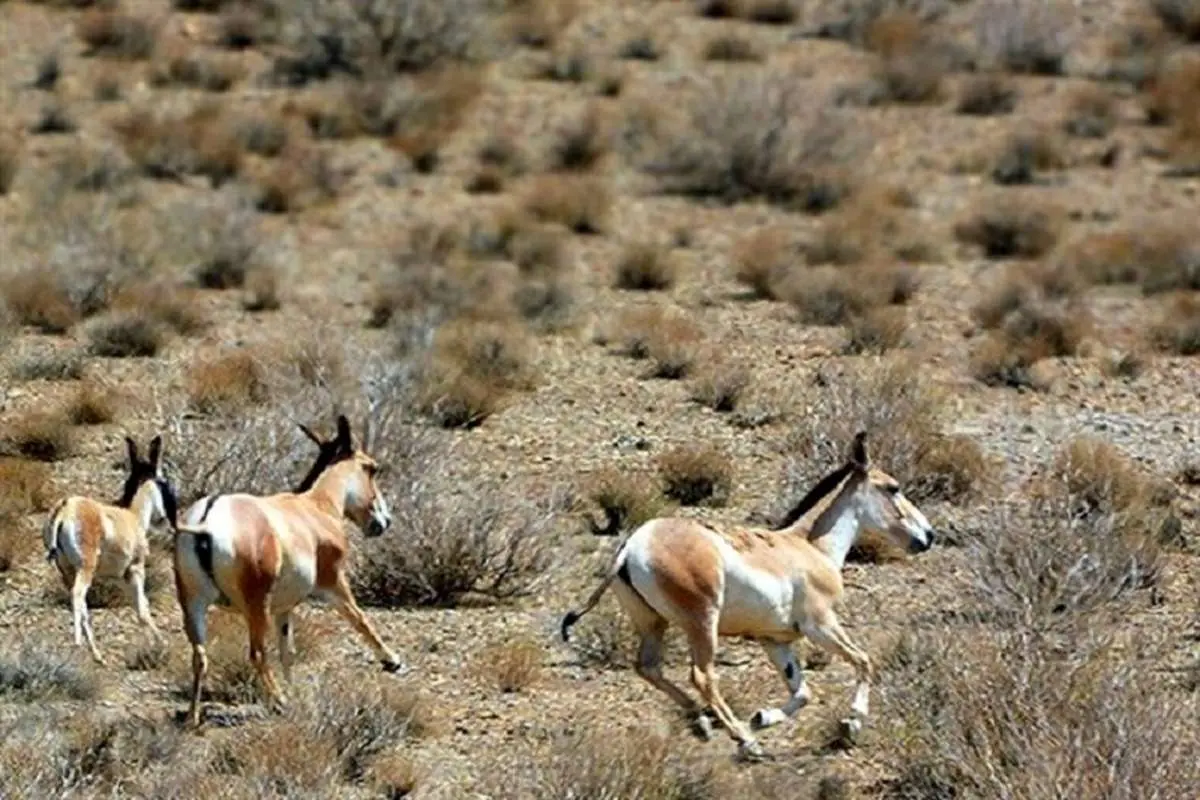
(87, 539)
(772, 586)
(264, 555)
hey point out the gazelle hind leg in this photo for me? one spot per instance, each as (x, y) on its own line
(258, 621)
(703, 643)
(784, 659)
(829, 635)
(195, 624)
(79, 609)
(284, 626)
(136, 578)
(651, 627)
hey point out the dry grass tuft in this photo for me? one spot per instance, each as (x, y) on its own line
(626, 500)
(581, 144)
(539, 23)
(33, 672)
(1032, 314)
(831, 295)
(115, 34)
(57, 364)
(188, 68)
(226, 383)
(762, 260)
(757, 136)
(37, 298)
(1180, 17)
(1026, 153)
(473, 367)
(1177, 329)
(26, 486)
(12, 148)
(514, 666)
(169, 146)
(1023, 36)
(1008, 227)
(695, 475)
(911, 63)
(40, 435)
(92, 404)
(645, 266)
(302, 177)
(876, 331)
(906, 421)
(476, 539)
(720, 384)
(1159, 254)
(987, 95)
(582, 204)
(124, 334)
(666, 337)
(731, 47)
(1091, 112)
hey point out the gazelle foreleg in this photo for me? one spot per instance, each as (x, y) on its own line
(828, 634)
(702, 639)
(136, 578)
(344, 603)
(784, 659)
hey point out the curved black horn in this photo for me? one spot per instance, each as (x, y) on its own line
(343, 431)
(316, 439)
(858, 450)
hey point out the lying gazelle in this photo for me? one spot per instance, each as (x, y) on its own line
(263, 556)
(87, 539)
(773, 586)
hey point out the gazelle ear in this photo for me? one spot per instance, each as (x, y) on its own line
(131, 449)
(343, 433)
(858, 451)
(307, 432)
(155, 450)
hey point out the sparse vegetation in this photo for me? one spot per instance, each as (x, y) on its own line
(40, 435)
(124, 335)
(696, 475)
(1010, 228)
(987, 95)
(645, 266)
(626, 500)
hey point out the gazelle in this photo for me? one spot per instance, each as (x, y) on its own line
(772, 586)
(262, 556)
(87, 539)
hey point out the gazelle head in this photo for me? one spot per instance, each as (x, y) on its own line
(162, 495)
(364, 503)
(883, 506)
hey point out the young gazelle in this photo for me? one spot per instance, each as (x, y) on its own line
(262, 556)
(87, 539)
(773, 586)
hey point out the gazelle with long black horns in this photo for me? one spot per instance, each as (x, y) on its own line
(262, 556)
(87, 539)
(772, 586)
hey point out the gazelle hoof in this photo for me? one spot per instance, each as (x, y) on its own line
(849, 729)
(395, 666)
(766, 717)
(702, 725)
(751, 750)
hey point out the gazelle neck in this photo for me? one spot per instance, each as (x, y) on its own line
(329, 490)
(146, 503)
(837, 524)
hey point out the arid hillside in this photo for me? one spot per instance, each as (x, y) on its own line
(583, 263)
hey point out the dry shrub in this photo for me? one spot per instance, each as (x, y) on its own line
(39, 434)
(91, 404)
(241, 27)
(514, 666)
(1160, 254)
(582, 143)
(906, 423)
(539, 23)
(31, 671)
(1030, 317)
(115, 34)
(1024, 36)
(831, 296)
(262, 290)
(173, 307)
(53, 118)
(762, 260)
(911, 64)
(149, 656)
(226, 383)
(582, 204)
(11, 151)
(262, 134)
(1171, 89)
(460, 538)
(986, 95)
(1177, 329)
(666, 337)
(427, 275)
(1025, 153)
(169, 146)
(864, 229)
(26, 486)
(1181, 17)
(695, 475)
(645, 266)
(719, 384)
(302, 177)
(731, 47)
(193, 70)
(1091, 112)
(473, 367)
(876, 331)
(1009, 227)
(37, 298)
(124, 334)
(748, 136)
(55, 364)
(1009, 713)
(326, 37)
(626, 500)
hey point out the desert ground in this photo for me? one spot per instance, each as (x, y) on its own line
(584, 263)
